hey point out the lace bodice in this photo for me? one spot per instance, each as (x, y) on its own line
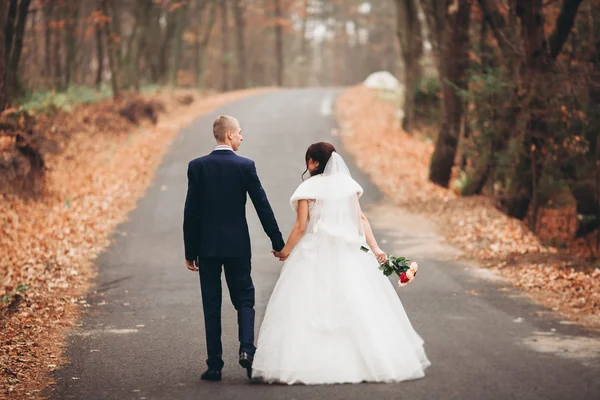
(311, 207)
(314, 212)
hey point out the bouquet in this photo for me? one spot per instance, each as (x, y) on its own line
(403, 267)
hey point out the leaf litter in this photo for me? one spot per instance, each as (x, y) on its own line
(106, 159)
(398, 163)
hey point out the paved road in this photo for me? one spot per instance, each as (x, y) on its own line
(144, 336)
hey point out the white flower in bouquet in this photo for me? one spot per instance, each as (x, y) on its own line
(410, 274)
(414, 267)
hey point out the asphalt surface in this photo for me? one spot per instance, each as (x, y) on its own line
(143, 337)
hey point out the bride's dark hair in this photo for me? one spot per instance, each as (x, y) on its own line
(320, 152)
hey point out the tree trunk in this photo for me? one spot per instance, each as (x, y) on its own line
(238, 10)
(113, 62)
(304, 58)
(197, 43)
(180, 23)
(152, 51)
(202, 42)
(4, 99)
(224, 46)
(16, 47)
(453, 66)
(165, 49)
(144, 16)
(128, 63)
(71, 39)
(484, 162)
(135, 44)
(34, 38)
(57, 36)
(99, 52)
(408, 30)
(278, 41)
(10, 28)
(48, 8)
(436, 15)
(114, 7)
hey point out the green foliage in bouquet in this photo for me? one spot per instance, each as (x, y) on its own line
(395, 264)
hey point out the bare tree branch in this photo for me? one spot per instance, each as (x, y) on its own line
(498, 23)
(564, 24)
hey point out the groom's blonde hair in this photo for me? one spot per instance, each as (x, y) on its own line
(222, 125)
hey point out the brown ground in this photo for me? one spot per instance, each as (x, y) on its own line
(105, 163)
(398, 163)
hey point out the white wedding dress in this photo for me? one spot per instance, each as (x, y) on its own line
(333, 316)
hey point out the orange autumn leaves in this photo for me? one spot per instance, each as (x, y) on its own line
(48, 245)
(399, 164)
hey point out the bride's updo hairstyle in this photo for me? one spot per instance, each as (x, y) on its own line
(321, 153)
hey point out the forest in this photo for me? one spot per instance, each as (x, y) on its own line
(512, 87)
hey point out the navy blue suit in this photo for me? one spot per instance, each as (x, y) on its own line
(215, 232)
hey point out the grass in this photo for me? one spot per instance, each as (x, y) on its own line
(38, 101)
(44, 100)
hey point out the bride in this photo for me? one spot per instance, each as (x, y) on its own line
(333, 316)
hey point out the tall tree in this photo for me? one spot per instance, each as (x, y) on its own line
(539, 55)
(3, 21)
(111, 49)
(48, 9)
(238, 12)
(304, 49)
(224, 47)
(453, 62)
(73, 8)
(436, 14)
(144, 14)
(35, 39)
(152, 53)
(99, 46)
(166, 44)
(180, 22)
(13, 6)
(202, 38)
(57, 25)
(278, 41)
(532, 73)
(411, 46)
(129, 61)
(15, 30)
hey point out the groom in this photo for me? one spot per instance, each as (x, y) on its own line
(215, 234)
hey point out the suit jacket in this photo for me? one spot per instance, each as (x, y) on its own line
(214, 219)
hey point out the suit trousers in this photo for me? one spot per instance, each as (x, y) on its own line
(241, 290)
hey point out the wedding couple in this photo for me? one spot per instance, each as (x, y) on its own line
(333, 316)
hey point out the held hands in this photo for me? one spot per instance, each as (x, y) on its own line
(380, 255)
(192, 265)
(280, 254)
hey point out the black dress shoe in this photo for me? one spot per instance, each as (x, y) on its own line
(246, 360)
(211, 375)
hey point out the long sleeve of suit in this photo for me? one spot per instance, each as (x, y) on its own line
(191, 215)
(264, 210)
